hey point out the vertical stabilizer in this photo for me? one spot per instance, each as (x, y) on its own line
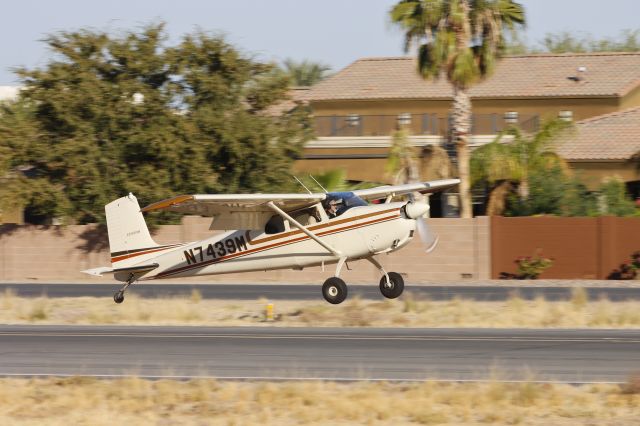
(127, 229)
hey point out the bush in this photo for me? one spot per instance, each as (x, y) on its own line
(529, 267)
(627, 271)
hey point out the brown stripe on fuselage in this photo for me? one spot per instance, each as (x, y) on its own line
(123, 255)
(278, 244)
(320, 226)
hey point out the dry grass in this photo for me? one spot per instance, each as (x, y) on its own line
(408, 311)
(88, 401)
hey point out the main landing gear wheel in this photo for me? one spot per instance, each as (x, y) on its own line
(394, 288)
(334, 290)
(118, 297)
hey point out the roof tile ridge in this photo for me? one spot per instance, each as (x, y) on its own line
(353, 64)
(570, 54)
(327, 81)
(384, 58)
(609, 115)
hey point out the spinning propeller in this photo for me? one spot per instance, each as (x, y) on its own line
(416, 210)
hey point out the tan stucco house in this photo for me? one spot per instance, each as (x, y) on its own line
(356, 110)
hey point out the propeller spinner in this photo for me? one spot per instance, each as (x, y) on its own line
(416, 210)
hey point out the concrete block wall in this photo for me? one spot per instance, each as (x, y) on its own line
(57, 253)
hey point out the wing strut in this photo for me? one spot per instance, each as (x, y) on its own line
(303, 229)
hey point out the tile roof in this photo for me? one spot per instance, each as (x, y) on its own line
(296, 96)
(614, 136)
(546, 75)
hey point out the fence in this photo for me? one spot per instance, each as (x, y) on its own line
(56, 253)
(588, 248)
(479, 248)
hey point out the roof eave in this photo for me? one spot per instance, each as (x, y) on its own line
(601, 96)
(597, 160)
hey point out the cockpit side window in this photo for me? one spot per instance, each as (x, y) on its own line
(337, 203)
(275, 225)
(307, 216)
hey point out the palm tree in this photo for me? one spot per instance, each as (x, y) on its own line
(503, 164)
(462, 39)
(305, 73)
(334, 180)
(402, 164)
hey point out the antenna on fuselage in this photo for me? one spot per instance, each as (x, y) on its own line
(318, 183)
(300, 182)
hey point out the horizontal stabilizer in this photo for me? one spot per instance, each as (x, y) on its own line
(132, 269)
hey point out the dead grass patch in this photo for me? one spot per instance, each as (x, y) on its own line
(80, 400)
(407, 311)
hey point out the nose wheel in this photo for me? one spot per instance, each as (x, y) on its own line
(334, 290)
(394, 287)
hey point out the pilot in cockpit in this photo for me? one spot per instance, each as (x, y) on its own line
(331, 207)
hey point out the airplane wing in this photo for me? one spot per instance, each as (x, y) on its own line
(235, 211)
(396, 190)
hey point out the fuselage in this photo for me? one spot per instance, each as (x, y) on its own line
(360, 232)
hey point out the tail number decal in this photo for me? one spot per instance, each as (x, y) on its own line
(215, 250)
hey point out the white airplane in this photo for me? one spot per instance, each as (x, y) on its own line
(275, 231)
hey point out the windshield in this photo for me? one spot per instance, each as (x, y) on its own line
(337, 203)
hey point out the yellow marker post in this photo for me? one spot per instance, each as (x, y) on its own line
(269, 312)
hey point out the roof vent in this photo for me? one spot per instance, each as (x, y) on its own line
(578, 77)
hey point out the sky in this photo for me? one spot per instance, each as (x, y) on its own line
(333, 32)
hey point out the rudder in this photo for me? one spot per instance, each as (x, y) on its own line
(126, 227)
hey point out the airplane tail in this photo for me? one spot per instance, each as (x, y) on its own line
(129, 237)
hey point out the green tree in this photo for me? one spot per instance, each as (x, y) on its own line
(615, 200)
(462, 39)
(566, 42)
(333, 180)
(305, 73)
(527, 177)
(553, 192)
(110, 115)
(512, 158)
(402, 164)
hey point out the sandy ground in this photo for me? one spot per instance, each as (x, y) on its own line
(89, 401)
(408, 311)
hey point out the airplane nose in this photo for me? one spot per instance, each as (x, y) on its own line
(416, 210)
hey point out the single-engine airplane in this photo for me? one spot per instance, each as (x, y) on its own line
(275, 231)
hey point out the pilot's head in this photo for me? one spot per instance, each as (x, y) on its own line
(331, 208)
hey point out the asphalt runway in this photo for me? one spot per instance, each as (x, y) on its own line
(574, 356)
(312, 292)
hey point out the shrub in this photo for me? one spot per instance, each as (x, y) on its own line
(529, 267)
(627, 271)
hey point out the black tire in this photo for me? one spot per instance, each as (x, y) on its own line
(334, 290)
(118, 297)
(397, 285)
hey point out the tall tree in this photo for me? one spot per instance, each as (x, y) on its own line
(461, 39)
(566, 42)
(109, 115)
(305, 73)
(502, 165)
(402, 164)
